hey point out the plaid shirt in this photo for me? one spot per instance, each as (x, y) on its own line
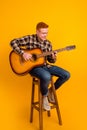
(32, 42)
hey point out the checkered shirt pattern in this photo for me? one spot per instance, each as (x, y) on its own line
(31, 42)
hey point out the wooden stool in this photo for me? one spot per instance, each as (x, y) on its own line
(38, 104)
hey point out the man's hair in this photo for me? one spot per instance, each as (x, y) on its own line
(41, 25)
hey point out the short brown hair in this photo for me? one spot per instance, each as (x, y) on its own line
(41, 25)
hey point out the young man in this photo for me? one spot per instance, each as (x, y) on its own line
(44, 72)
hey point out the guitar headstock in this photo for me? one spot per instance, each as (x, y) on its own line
(70, 47)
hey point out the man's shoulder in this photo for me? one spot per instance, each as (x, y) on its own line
(30, 35)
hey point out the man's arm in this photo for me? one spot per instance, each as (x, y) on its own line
(15, 44)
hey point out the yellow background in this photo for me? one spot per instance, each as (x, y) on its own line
(67, 26)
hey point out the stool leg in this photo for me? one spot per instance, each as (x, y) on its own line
(32, 101)
(48, 113)
(56, 103)
(40, 108)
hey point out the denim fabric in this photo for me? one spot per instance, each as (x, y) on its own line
(44, 73)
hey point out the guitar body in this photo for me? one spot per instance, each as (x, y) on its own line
(20, 66)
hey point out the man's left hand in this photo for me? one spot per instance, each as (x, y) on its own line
(54, 54)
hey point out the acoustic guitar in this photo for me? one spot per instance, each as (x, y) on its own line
(22, 67)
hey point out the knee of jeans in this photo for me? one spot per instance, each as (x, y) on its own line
(67, 75)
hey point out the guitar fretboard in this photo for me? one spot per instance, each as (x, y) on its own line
(49, 53)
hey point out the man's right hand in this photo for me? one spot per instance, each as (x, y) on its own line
(27, 56)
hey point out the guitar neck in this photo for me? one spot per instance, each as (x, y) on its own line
(49, 53)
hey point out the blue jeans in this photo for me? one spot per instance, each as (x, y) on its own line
(44, 74)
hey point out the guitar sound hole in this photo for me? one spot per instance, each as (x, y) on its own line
(34, 57)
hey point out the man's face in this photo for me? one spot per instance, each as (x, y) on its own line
(42, 33)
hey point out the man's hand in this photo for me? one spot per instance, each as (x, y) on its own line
(54, 54)
(27, 56)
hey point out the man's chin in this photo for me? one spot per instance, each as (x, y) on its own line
(43, 39)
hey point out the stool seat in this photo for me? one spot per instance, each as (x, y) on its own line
(38, 105)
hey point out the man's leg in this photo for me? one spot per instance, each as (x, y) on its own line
(44, 77)
(62, 75)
